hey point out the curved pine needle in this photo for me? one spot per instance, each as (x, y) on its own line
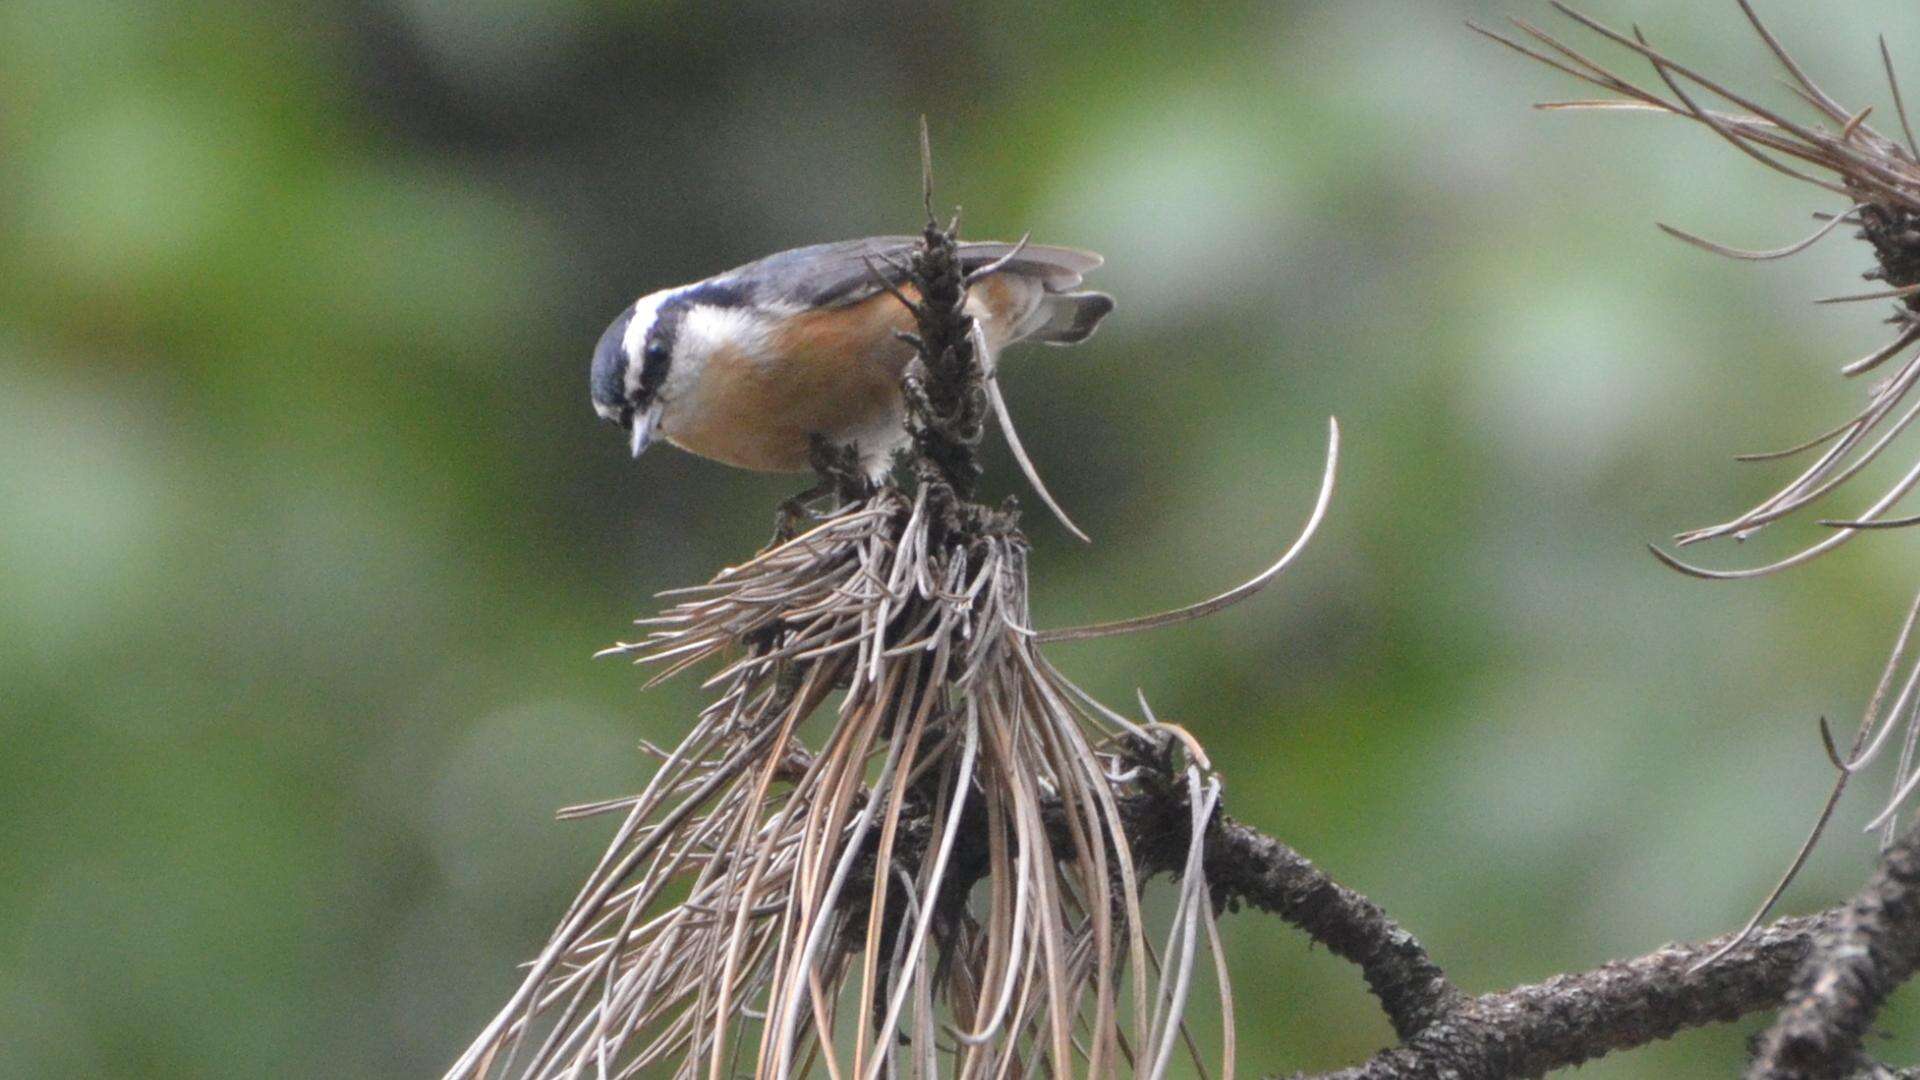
(1000, 263)
(1805, 555)
(1881, 355)
(1012, 435)
(1231, 596)
(1885, 523)
(1899, 104)
(1229, 1049)
(1817, 440)
(1019, 450)
(1904, 792)
(1759, 256)
(1861, 757)
(1878, 294)
(1799, 863)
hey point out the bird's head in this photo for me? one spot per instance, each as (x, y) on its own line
(629, 365)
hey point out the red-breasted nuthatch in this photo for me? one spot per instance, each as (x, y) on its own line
(748, 366)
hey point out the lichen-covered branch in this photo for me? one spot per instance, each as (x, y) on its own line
(1244, 866)
(1871, 946)
(1264, 873)
(1834, 969)
(1848, 959)
(1569, 1019)
(1445, 1035)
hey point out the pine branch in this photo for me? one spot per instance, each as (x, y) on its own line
(1872, 946)
(1246, 867)
(1834, 969)
(1532, 1030)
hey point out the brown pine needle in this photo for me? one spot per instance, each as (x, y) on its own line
(1757, 256)
(1232, 596)
(820, 888)
(1835, 149)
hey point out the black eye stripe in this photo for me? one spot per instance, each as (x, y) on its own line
(659, 349)
(657, 354)
(653, 369)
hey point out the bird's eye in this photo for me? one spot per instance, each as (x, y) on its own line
(653, 366)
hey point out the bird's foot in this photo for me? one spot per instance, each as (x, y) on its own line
(839, 469)
(839, 476)
(792, 515)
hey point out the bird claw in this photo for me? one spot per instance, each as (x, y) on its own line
(794, 515)
(839, 477)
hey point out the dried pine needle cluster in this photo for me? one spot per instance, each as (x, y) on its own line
(1876, 179)
(945, 886)
(1841, 152)
(823, 902)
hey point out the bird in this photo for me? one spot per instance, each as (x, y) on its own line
(755, 365)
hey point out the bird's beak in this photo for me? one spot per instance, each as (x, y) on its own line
(646, 425)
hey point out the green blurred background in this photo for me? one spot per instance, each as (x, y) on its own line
(307, 532)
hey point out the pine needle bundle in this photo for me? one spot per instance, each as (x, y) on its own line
(944, 883)
(1877, 180)
(1874, 178)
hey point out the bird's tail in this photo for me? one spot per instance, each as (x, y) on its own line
(1070, 318)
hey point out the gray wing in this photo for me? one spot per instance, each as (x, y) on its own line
(830, 275)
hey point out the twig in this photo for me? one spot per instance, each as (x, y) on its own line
(1232, 596)
(1532, 1030)
(1244, 865)
(1871, 947)
(947, 405)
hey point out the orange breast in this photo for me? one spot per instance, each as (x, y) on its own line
(833, 372)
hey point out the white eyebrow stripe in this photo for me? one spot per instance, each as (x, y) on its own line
(634, 341)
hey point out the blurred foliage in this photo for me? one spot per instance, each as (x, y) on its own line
(307, 532)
